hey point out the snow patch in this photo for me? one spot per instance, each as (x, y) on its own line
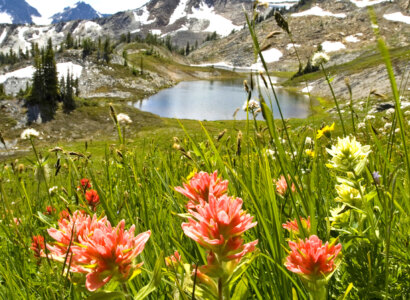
(156, 31)
(74, 69)
(352, 39)
(20, 73)
(143, 18)
(5, 18)
(272, 55)
(3, 35)
(23, 44)
(317, 11)
(332, 46)
(397, 17)
(282, 3)
(364, 3)
(62, 69)
(217, 23)
(179, 12)
(87, 26)
(290, 46)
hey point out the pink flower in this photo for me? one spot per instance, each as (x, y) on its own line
(218, 226)
(311, 259)
(37, 245)
(97, 249)
(173, 259)
(111, 253)
(282, 186)
(201, 186)
(293, 227)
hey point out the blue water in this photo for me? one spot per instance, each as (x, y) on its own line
(215, 100)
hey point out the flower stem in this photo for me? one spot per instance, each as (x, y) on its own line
(223, 290)
(317, 290)
(220, 289)
(334, 98)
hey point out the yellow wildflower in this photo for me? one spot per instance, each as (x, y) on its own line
(325, 131)
(310, 153)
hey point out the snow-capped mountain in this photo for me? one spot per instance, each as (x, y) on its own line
(79, 11)
(17, 12)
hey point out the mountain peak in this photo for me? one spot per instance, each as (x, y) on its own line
(79, 11)
(17, 12)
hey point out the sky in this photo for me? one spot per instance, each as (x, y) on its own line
(49, 7)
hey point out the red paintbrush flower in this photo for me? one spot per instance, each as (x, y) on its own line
(311, 259)
(97, 249)
(218, 226)
(37, 245)
(92, 198)
(201, 186)
(293, 226)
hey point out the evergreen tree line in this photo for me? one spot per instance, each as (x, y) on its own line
(46, 91)
(11, 57)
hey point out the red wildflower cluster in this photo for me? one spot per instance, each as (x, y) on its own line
(217, 222)
(91, 196)
(85, 183)
(96, 248)
(37, 245)
(50, 210)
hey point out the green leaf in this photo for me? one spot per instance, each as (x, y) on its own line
(43, 218)
(104, 295)
(242, 267)
(155, 280)
(241, 290)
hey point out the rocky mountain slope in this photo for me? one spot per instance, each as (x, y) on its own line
(17, 12)
(79, 11)
(342, 29)
(184, 20)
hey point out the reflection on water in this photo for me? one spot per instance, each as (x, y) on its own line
(215, 100)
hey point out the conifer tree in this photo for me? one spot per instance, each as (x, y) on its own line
(50, 80)
(69, 103)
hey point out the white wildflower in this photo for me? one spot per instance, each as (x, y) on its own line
(370, 117)
(342, 111)
(252, 105)
(308, 141)
(53, 190)
(390, 111)
(407, 113)
(361, 125)
(397, 130)
(319, 58)
(270, 153)
(28, 133)
(387, 126)
(124, 119)
(348, 155)
(348, 195)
